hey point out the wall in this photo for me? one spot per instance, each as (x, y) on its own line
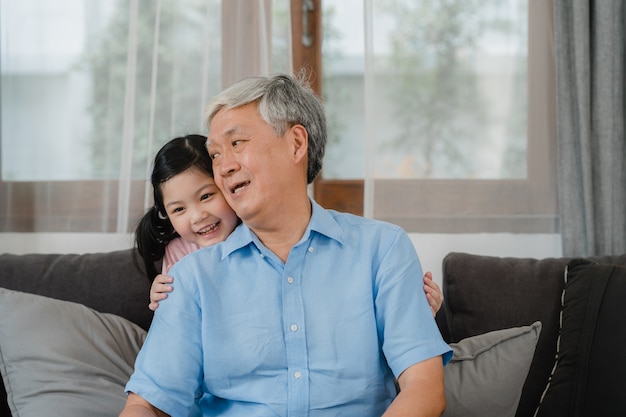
(431, 247)
(21, 243)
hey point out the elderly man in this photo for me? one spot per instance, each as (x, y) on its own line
(302, 311)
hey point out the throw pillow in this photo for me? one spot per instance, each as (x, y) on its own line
(487, 372)
(60, 358)
(590, 372)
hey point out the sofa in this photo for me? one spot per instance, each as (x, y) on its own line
(576, 368)
(71, 326)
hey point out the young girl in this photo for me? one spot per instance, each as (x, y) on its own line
(189, 210)
(190, 213)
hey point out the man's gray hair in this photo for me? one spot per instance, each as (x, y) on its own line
(283, 101)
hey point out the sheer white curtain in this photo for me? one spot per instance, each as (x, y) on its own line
(91, 90)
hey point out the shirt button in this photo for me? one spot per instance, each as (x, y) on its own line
(297, 374)
(311, 249)
(290, 280)
(294, 327)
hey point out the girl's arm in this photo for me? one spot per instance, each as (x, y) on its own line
(159, 289)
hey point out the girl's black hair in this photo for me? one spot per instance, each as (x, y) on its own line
(154, 231)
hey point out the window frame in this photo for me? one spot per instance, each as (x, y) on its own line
(467, 206)
(88, 199)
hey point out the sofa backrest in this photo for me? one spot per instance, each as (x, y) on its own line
(110, 282)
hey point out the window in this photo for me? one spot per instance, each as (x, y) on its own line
(447, 110)
(91, 90)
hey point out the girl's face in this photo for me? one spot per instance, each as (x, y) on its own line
(197, 208)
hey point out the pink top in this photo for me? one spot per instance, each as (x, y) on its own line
(175, 251)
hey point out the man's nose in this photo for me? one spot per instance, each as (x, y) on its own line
(228, 163)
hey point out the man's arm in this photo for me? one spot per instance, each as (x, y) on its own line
(136, 406)
(421, 391)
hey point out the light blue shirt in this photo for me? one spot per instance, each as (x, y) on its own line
(323, 334)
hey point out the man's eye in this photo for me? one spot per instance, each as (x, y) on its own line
(213, 155)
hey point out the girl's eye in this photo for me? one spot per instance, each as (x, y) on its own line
(205, 196)
(177, 210)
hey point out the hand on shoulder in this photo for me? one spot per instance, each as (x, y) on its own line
(159, 289)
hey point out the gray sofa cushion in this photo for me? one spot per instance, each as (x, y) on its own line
(486, 373)
(59, 358)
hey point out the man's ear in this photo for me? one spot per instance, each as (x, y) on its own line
(300, 141)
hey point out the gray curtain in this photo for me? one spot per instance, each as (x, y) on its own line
(590, 74)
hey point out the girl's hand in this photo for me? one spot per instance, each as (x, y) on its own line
(433, 293)
(159, 289)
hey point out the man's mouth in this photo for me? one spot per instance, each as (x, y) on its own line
(239, 187)
(209, 229)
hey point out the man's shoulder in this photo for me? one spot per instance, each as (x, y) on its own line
(327, 220)
(348, 219)
(356, 230)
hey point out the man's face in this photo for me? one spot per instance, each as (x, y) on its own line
(253, 167)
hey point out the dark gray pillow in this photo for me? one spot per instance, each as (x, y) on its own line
(487, 372)
(590, 373)
(59, 358)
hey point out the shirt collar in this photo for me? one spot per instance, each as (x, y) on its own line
(322, 222)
